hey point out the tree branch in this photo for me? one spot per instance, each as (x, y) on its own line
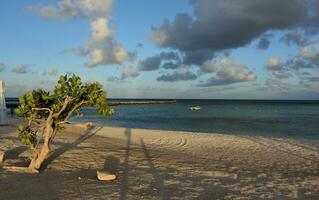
(66, 119)
(42, 109)
(65, 104)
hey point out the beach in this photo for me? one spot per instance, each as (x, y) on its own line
(157, 164)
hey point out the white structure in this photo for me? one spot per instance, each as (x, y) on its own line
(3, 107)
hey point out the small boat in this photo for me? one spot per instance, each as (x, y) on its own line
(195, 108)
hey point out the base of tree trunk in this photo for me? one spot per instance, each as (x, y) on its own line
(20, 169)
(2, 156)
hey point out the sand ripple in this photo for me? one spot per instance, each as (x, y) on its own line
(264, 151)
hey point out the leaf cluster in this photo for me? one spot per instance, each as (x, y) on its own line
(34, 99)
(27, 136)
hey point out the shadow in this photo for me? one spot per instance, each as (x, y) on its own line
(15, 152)
(159, 183)
(124, 182)
(111, 164)
(68, 146)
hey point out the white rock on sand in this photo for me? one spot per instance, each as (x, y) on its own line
(105, 176)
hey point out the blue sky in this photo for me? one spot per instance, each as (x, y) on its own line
(164, 48)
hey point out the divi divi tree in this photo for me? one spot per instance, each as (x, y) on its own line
(46, 114)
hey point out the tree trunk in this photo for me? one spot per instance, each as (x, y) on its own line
(45, 149)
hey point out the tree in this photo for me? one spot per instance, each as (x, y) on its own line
(47, 113)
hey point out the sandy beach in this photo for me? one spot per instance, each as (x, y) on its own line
(153, 164)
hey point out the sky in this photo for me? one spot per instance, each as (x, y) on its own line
(198, 49)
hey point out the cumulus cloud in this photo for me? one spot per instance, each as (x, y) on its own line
(227, 71)
(108, 52)
(224, 63)
(181, 74)
(226, 77)
(101, 47)
(169, 55)
(171, 65)
(310, 52)
(21, 69)
(298, 63)
(129, 72)
(294, 37)
(155, 62)
(197, 57)
(2, 67)
(306, 62)
(274, 64)
(150, 63)
(281, 74)
(220, 25)
(209, 67)
(70, 9)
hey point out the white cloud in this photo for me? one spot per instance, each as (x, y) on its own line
(281, 75)
(100, 30)
(224, 63)
(274, 64)
(101, 47)
(227, 72)
(180, 74)
(68, 9)
(21, 69)
(208, 67)
(129, 72)
(310, 52)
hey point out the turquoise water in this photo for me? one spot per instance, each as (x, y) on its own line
(244, 117)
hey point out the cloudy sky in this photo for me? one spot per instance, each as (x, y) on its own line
(234, 49)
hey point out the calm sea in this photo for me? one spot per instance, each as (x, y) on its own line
(244, 117)
(248, 117)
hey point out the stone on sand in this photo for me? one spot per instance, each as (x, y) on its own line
(89, 125)
(105, 176)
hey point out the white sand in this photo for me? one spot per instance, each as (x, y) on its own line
(252, 150)
(152, 164)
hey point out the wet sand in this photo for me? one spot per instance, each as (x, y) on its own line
(152, 164)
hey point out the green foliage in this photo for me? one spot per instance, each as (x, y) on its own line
(35, 106)
(92, 93)
(27, 136)
(34, 99)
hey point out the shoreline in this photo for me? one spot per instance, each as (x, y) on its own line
(155, 164)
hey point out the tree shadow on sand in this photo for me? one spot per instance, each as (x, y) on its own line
(13, 156)
(15, 152)
(159, 183)
(111, 164)
(68, 146)
(124, 182)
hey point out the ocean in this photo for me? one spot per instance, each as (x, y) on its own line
(283, 118)
(240, 117)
